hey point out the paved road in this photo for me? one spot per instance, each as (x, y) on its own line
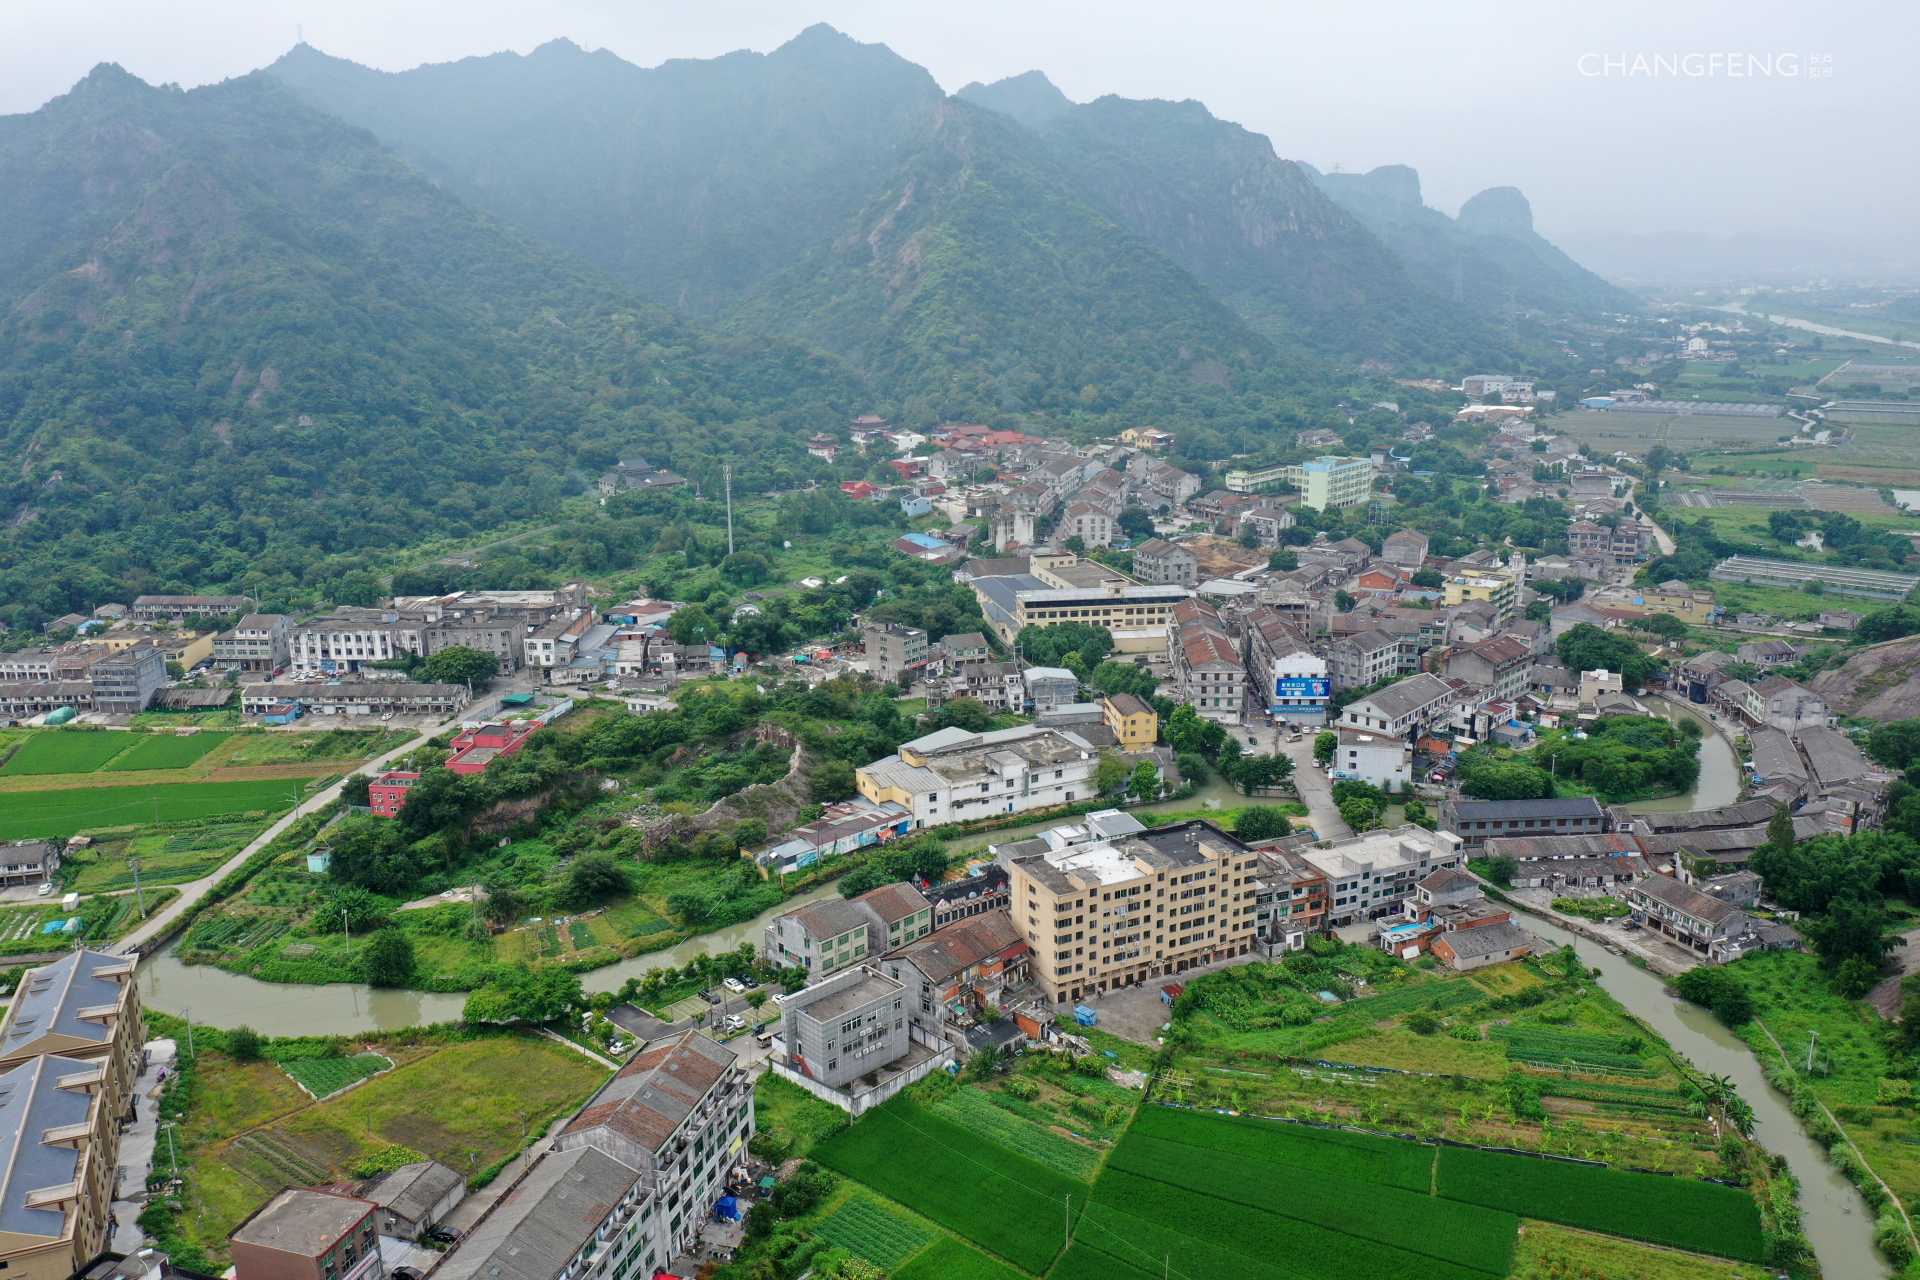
(193, 891)
(1308, 778)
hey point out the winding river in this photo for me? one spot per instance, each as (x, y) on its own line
(1837, 1221)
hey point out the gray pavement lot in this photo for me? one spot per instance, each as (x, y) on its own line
(137, 1147)
(1136, 1013)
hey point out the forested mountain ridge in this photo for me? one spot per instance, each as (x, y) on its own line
(1249, 224)
(974, 282)
(1490, 257)
(241, 343)
(692, 181)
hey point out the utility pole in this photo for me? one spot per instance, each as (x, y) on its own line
(1069, 1226)
(137, 893)
(727, 473)
(1811, 1037)
(348, 930)
(188, 1013)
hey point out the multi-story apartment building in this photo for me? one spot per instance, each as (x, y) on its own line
(997, 686)
(257, 642)
(1629, 543)
(1111, 914)
(357, 698)
(1689, 604)
(896, 654)
(1050, 687)
(387, 794)
(1407, 548)
(308, 1234)
(964, 649)
(56, 1165)
(1087, 522)
(348, 638)
(1137, 614)
(1404, 707)
(1283, 672)
(552, 644)
(1382, 759)
(1290, 901)
(1156, 560)
(833, 934)
(124, 683)
(681, 1114)
(1477, 821)
(1355, 661)
(951, 774)
(845, 1026)
(1496, 587)
(1373, 875)
(1332, 481)
(1206, 663)
(174, 608)
(1133, 722)
(502, 634)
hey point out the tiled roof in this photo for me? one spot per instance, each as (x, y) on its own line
(1685, 898)
(949, 950)
(655, 1091)
(538, 1227)
(1531, 848)
(894, 901)
(1562, 807)
(1488, 939)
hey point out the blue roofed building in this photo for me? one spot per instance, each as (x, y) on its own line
(58, 1145)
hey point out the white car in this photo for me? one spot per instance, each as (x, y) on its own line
(45, 889)
(387, 716)
(736, 1023)
(734, 985)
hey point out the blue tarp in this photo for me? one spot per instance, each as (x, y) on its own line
(728, 1207)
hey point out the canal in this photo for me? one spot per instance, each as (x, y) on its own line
(1836, 1219)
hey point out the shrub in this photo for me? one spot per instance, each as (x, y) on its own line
(243, 1044)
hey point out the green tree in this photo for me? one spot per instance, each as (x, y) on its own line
(176, 671)
(1540, 610)
(1185, 729)
(1501, 868)
(1360, 814)
(386, 960)
(243, 1044)
(966, 713)
(1720, 990)
(1895, 743)
(1261, 822)
(1253, 773)
(1428, 579)
(460, 664)
(832, 780)
(1110, 774)
(1283, 560)
(1588, 648)
(1324, 745)
(1513, 781)
(355, 790)
(1146, 781)
(1664, 625)
(1343, 601)
(593, 878)
(1853, 928)
(1136, 522)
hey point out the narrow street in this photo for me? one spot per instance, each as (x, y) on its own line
(1308, 778)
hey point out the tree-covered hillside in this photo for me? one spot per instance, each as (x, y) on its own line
(239, 340)
(974, 282)
(1258, 232)
(692, 181)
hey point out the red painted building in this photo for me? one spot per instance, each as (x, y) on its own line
(389, 791)
(475, 749)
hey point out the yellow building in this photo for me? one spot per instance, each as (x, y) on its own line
(1491, 585)
(1113, 914)
(1135, 723)
(188, 648)
(1677, 598)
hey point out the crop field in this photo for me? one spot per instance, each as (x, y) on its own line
(1313, 1251)
(166, 751)
(1151, 1246)
(65, 751)
(971, 1109)
(948, 1259)
(1682, 1212)
(30, 815)
(1387, 1162)
(873, 1232)
(322, 1076)
(1415, 1221)
(1082, 1262)
(1354, 1018)
(1004, 1202)
(1553, 1046)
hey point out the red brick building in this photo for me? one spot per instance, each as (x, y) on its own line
(389, 791)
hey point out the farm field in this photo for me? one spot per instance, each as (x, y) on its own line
(1012, 1206)
(65, 751)
(948, 1259)
(1683, 1212)
(971, 1109)
(166, 751)
(322, 1076)
(1547, 1250)
(31, 815)
(872, 1231)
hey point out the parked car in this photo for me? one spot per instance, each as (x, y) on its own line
(751, 981)
(736, 1023)
(46, 889)
(445, 1235)
(387, 716)
(734, 985)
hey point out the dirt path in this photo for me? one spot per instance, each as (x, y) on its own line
(1885, 995)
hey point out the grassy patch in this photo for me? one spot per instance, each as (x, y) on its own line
(52, 814)
(323, 1076)
(1385, 1162)
(328, 744)
(1548, 1250)
(1405, 1051)
(784, 1108)
(872, 1231)
(65, 751)
(972, 1109)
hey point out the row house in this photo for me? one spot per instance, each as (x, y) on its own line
(474, 749)
(1088, 523)
(23, 699)
(257, 642)
(1375, 874)
(1290, 903)
(998, 686)
(1404, 708)
(1790, 706)
(1206, 663)
(1499, 666)
(1347, 555)
(832, 934)
(1156, 560)
(177, 608)
(952, 775)
(842, 827)
(954, 973)
(357, 698)
(1477, 821)
(848, 1026)
(309, 1233)
(1708, 926)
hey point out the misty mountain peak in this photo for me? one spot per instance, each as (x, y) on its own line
(1497, 211)
(1029, 97)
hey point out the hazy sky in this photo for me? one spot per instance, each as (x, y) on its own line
(1542, 97)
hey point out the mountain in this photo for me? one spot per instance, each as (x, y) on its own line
(975, 281)
(241, 344)
(1489, 259)
(692, 181)
(1252, 226)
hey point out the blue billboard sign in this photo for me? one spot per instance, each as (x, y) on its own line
(1302, 688)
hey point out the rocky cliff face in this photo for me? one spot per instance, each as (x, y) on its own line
(1880, 683)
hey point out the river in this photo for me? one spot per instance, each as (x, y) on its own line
(1836, 1220)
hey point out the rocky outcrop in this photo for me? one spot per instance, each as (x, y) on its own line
(1881, 682)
